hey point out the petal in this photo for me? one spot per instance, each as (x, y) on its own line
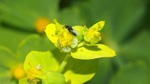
(66, 49)
(92, 52)
(99, 25)
(79, 30)
(50, 32)
(45, 59)
(75, 43)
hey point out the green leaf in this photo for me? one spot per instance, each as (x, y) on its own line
(4, 71)
(80, 71)
(71, 16)
(76, 71)
(127, 18)
(8, 59)
(11, 38)
(46, 61)
(137, 48)
(23, 81)
(87, 52)
(121, 19)
(104, 72)
(23, 14)
(33, 42)
(52, 77)
(137, 73)
(6, 80)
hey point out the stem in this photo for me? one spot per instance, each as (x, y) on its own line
(119, 61)
(64, 63)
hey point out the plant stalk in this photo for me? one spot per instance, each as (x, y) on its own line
(64, 63)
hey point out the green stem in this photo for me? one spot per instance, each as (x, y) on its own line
(64, 63)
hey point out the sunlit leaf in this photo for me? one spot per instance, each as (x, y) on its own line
(23, 81)
(80, 71)
(51, 77)
(45, 59)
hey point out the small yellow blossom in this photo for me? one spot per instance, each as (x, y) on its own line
(61, 37)
(41, 24)
(34, 73)
(65, 39)
(92, 35)
(18, 72)
(82, 44)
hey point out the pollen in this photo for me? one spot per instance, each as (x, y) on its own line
(18, 72)
(40, 24)
(33, 73)
(93, 33)
(65, 39)
(92, 36)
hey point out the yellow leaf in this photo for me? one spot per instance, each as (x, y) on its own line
(93, 52)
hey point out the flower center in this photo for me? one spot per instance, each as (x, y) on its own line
(65, 39)
(34, 72)
(92, 33)
(18, 72)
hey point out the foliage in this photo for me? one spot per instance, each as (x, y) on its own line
(126, 31)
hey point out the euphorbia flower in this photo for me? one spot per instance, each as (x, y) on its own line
(61, 37)
(83, 44)
(10, 66)
(40, 24)
(92, 35)
(42, 68)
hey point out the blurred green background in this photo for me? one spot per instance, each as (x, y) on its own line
(127, 31)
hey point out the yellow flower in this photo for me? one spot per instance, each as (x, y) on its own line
(18, 72)
(34, 72)
(61, 36)
(92, 35)
(81, 42)
(41, 24)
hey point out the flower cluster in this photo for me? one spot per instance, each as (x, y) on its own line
(75, 40)
(79, 49)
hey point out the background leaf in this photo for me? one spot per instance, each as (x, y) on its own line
(11, 38)
(104, 72)
(138, 73)
(33, 42)
(8, 58)
(137, 48)
(23, 14)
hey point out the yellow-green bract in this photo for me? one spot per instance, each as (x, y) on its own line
(84, 46)
(44, 66)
